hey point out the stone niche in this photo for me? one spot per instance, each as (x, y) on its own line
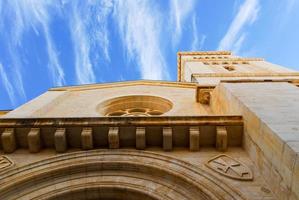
(135, 105)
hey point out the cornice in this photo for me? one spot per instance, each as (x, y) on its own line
(124, 84)
(283, 74)
(223, 59)
(121, 121)
(185, 53)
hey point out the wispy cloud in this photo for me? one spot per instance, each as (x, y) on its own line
(16, 70)
(198, 39)
(88, 24)
(83, 66)
(140, 30)
(36, 15)
(234, 37)
(7, 85)
(238, 45)
(22, 17)
(178, 13)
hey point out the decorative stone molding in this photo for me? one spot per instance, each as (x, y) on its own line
(230, 167)
(5, 163)
(224, 120)
(107, 132)
(260, 74)
(124, 84)
(203, 94)
(139, 172)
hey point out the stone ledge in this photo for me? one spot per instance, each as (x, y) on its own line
(220, 120)
(92, 133)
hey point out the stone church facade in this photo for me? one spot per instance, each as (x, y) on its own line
(227, 129)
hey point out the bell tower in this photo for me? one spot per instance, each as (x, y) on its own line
(211, 67)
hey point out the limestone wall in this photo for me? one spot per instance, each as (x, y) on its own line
(85, 102)
(271, 129)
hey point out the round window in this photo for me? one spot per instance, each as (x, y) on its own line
(137, 105)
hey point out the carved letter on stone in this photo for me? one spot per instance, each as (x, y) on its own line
(230, 167)
(5, 163)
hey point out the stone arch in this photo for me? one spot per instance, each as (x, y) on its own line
(99, 174)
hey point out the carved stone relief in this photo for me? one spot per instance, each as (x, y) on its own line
(203, 94)
(5, 163)
(230, 167)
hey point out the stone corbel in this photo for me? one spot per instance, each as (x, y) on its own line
(203, 94)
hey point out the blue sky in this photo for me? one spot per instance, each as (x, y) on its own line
(48, 43)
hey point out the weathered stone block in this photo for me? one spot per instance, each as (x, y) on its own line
(60, 140)
(8, 140)
(113, 137)
(34, 142)
(140, 138)
(167, 138)
(86, 138)
(194, 137)
(221, 138)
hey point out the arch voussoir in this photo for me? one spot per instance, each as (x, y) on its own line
(126, 172)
